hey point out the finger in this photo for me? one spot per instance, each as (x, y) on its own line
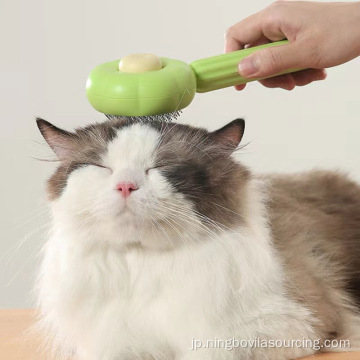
(231, 44)
(285, 82)
(261, 41)
(300, 78)
(271, 61)
(240, 87)
(244, 32)
(252, 30)
(307, 76)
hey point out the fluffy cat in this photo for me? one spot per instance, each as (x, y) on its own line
(162, 240)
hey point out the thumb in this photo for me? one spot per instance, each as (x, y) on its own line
(271, 61)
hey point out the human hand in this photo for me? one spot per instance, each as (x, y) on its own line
(321, 35)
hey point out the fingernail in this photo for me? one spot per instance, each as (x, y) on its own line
(248, 67)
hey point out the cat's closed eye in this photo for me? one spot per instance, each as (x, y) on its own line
(94, 164)
(162, 166)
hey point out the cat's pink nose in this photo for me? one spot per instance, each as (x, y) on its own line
(126, 188)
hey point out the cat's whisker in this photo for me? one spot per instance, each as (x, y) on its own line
(34, 254)
(32, 217)
(190, 224)
(185, 211)
(8, 256)
(167, 236)
(189, 219)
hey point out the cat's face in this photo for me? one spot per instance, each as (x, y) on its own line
(156, 184)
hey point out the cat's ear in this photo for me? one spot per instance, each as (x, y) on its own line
(229, 136)
(60, 141)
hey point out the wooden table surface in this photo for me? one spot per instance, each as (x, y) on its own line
(13, 345)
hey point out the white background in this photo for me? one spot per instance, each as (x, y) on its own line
(47, 50)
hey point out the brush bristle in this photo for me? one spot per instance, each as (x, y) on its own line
(161, 117)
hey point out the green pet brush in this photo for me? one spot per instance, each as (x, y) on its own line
(149, 87)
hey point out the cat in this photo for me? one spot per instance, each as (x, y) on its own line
(163, 243)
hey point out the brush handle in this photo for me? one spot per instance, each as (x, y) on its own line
(221, 71)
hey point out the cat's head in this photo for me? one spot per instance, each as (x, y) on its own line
(157, 184)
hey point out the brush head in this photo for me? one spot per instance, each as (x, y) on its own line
(160, 117)
(142, 85)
